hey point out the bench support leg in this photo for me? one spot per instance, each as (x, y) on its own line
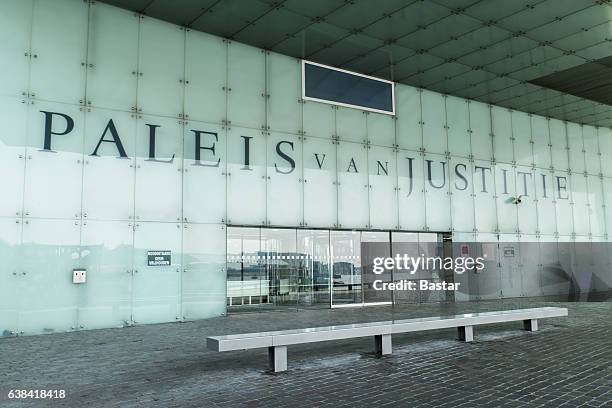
(530, 324)
(277, 358)
(382, 344)
(466, 333)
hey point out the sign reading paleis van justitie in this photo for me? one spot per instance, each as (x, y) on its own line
(206, 141)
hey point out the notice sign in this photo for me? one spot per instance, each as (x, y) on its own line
(509, 252)
(159, 258)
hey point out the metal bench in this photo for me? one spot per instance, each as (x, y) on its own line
(277, 341)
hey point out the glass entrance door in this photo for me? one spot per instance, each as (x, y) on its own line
(346, 268)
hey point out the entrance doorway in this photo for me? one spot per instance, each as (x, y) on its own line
(284, 267)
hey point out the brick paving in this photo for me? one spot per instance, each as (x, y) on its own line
(568, 363)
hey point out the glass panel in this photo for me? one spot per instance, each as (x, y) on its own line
(204, 276)
(558, 141)
(10, 275)
(381, 129)
(554, 278)
(15, 30)
(591, 147)
(480, 124)
(409, 130)
(106, 253)
(59, 44)
(158, 169)
(530, 265)
(457, 118)
(319, 119)
(521, 133)
(373, 245)
(483, 179)
(504, 192)
(50, 252)
(405, 243)
(332, 85)
(314, 273)
(113, 55)
(53, 178)
(353, 209)
(607, 191)
(205, 77)
(563, 207)
(484, 284)
(285, 188)
(430, 246)
(383, 187)
(596, 206)
(502, 131)
(525, 189)
(246, 152)
(108, 174)
(160, 82)
(346, 267)
(580, 204)
(462, 199)
(437, 190)
(247, 86)
(605, 147)
(284, 79)
(204, 182)
(509, 255)
(576, 148)
(545, 194)
(411, 190)
(247, 281)
(434, 121)
(281, 265)
(541, 142)
(351, 125)
(13, 116)
(156, 294)
(320, 189)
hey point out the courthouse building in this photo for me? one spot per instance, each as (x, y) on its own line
(167, 161)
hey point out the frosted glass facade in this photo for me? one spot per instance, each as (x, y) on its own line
(121, 134)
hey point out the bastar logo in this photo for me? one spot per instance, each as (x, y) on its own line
(483, 175)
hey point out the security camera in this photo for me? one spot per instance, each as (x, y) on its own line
(517, 200)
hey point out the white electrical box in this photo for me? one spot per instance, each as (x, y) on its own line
(79, 276)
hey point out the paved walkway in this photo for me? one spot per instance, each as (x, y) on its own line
(568, 363)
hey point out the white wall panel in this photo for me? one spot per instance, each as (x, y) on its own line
(15, 30)
(408, 110)
(156, 290)
(502, 134)
(480, 125)
(458, 126)
(14, 119)
(284, 78)
(204, 275)
(108, 178)
(59, 51)
(159, 165)
(53, 178)
(205, 77)
(353, 208)
(161, 67)
(434, 122)
(284, 175)
(246, 84)
(382, 169)
(204, 180)
(112, 57)
(320, 187)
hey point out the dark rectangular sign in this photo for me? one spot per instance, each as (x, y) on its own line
(159, 258)
(340, 87)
